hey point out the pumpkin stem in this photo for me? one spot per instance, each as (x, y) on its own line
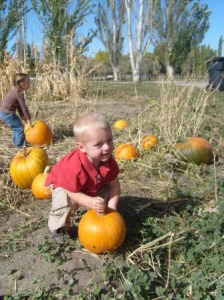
(46, 170)
(100, 214)
(24, 151)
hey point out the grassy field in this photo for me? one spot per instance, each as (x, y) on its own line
(174, 210)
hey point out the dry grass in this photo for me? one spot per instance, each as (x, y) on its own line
(177, 112)
(56, 85)
(156, 178)
(51, 81)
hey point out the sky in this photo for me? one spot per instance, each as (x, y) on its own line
(216, 29)
(211, 38)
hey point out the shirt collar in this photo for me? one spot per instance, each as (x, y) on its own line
(103, 168)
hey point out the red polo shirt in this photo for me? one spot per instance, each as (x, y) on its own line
(75, 173)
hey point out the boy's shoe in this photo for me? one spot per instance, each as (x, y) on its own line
(72, 232)
(58, 236)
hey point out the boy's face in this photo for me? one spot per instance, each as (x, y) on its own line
(97, 144)
(24, 86)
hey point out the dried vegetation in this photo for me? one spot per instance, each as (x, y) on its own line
(155, 186)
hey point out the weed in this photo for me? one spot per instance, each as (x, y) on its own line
(173, 210)
(94, 293)
(54, 252)
(16, 238)
(192, 266)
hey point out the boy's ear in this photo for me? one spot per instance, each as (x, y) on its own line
(81, 147)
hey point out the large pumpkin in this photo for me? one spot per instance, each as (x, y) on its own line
(38, 133)
(119, 124)
(101, 233)
(125, 151)
(148, 142)
(195, 149)
(39, 189)
(26, 165)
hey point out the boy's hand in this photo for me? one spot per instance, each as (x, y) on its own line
(99, 205)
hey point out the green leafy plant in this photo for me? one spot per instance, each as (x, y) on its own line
(52, 252)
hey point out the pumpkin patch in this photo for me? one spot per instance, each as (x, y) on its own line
(126, 152)
(39, 189)
(101, 233)
(38, 133)
(148, 142)
(119, 124)
(26, 165)
(195, 149)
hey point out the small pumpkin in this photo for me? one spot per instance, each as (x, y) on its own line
(126, 152)
(38, 133)
(39, 189)
(119, 124)
(148, 142)
(26, 165)
(101, 233)
(195, 149)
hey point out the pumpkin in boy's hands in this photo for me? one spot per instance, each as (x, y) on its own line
(119, 124)
(125, 151)
(101, 233)
(195, 149)
(148, 142)
(38, 133)
(26, 165)
(39, 189)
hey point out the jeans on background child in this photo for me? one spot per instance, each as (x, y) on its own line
(14, 122)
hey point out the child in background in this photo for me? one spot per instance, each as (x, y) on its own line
(87, 176)
(14, 100)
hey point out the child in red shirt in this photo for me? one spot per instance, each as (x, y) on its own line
(14, 100)
(87, 176)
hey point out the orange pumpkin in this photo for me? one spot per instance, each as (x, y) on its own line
(26, 165)
(119, 124)
(101, 233)
(38, 133)
(39, 189)
(126, 152)
(195, 149)
(148, 142)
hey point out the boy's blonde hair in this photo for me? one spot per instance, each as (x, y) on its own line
(89, 120)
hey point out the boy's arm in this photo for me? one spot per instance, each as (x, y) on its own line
(23, 109)
(114, 193)
(96, 203)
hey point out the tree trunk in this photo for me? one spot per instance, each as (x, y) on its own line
(134, 68)
(115, 73)
(170, 72)
(138, 50)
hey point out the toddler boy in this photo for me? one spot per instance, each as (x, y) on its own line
(87, 176)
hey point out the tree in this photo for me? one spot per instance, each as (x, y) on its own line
(150, 66)
(60, 20)
(125, 67)
(140, 22)
(10, 14)
(181, 26)
(196, 61)
(220, 46)
(110, 20)
(102, 61)
(21, 40)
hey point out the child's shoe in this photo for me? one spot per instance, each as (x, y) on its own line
(58, 236)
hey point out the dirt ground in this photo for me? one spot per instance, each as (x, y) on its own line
(29, 261)
(24, 268)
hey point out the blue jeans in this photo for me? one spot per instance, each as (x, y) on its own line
(14, 122)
